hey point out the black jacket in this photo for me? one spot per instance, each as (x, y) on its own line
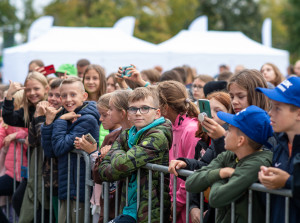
(15, 118)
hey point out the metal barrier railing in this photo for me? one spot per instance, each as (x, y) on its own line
(88, 184)
(164, 170)
(150, 167)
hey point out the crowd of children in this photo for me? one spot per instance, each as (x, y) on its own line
(126, 120)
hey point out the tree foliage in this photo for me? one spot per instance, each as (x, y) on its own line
(7, 14)
(233, 15)
(29, 16)
(159, 20)
(291, 16)
(274, 9)
(156, 20)
(8, 22)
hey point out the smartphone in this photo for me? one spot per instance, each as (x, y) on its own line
(125, 71)
(90, 138)
(49, 70)
(204, 108)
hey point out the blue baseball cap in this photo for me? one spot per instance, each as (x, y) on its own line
(287, 91)
(252, 121)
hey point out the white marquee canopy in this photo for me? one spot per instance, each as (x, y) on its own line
(116, 46)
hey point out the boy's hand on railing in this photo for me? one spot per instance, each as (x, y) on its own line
(176, 165)
(273, 178)
(214, 130)
(26, 141)
(13, 88)
(82, 143)
(195, 215)
(226, 172)
(51, 112)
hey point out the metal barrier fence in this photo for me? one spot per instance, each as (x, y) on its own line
(88, 184)
(150, 167)
(164, 169)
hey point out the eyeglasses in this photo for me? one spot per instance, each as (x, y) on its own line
(194, 86)
(143, 110)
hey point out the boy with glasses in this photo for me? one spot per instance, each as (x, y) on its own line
(148, 141)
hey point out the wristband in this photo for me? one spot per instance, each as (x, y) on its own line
(147, 84)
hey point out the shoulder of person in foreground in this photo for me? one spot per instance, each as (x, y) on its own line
(244, 175)
(208, 175)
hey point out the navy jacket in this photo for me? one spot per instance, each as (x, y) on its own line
(58, 138)
(282, 161)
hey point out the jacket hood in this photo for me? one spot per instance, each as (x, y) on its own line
(90, 108)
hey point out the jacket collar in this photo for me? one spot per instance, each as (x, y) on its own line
(179, 120)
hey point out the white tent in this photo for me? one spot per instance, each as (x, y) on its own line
(206, 50)
(109, 47)
(116, 46)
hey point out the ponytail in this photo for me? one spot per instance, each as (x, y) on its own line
(174, 94)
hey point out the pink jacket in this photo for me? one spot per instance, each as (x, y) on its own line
(9, 160)
(184, 143)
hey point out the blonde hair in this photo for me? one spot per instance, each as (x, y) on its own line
(119, 99)
(174, 94)
(40, 78)
(103, 102)
(71, 80)
(18, 99)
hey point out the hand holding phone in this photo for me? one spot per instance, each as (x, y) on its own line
(204, 108)
(125, 71)
(48, 70)
(88, 137)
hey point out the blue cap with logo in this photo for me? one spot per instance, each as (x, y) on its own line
(252, 121)
(287, 91)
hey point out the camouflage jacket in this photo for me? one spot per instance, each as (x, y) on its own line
(121, 162)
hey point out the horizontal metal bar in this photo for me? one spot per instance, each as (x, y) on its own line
(164, 169)
(254, 186)
(262, 188)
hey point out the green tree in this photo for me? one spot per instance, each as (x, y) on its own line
(7, 13)
(291, 17)
(233, 15)
(29, 16)
(156, 20)
(8, 21)
(181, 14)
(274, 9)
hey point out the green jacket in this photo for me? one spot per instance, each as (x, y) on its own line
(102, 133)
(235, 188)
(121, 162)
